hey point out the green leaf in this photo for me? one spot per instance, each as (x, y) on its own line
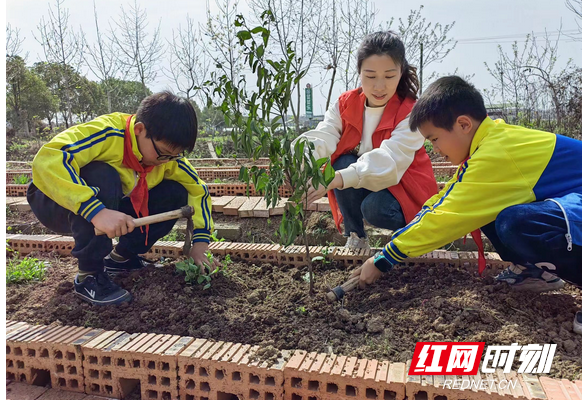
(244, 174)
(318, 258)
(244, 35)
(329, 173)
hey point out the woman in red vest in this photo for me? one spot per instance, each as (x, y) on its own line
(383, 173)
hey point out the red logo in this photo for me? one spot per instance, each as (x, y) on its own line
(446, 358)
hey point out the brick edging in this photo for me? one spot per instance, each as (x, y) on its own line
(292, 255)
(95, 361)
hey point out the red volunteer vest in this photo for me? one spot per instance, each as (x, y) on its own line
(418, 182)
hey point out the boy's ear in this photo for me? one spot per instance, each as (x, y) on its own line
(465, 124)
(140, 129)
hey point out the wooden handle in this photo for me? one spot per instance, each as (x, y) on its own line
(338, 292)
(153, 219)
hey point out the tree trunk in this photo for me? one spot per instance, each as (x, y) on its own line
(308, 260)
(109, 100)
(331, 88)
(24, 123)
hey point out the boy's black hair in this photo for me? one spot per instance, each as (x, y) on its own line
(170, 119)
(388, 43)
(446, 99)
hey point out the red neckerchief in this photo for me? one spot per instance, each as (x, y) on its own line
(477, 236)
(140, 194)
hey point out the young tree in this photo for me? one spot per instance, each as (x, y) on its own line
(103, 62)
(138, 51)
(357, 20)
(296, 26)
(425, 43)
(267, 107)
(510, 77)
(188, 65)
(62, 46)
(222, 46)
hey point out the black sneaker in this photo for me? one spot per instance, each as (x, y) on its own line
(121, 267)
(99, 290)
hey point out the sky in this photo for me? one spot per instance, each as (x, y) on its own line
(502, 20)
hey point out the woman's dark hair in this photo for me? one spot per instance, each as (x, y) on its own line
(388, 43)
(169, 118)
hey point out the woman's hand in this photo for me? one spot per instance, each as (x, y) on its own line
(315, 194)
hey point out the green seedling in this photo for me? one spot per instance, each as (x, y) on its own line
(301, 310)
(215, 238)
(26, 270)
(21, 179)
(195, 276)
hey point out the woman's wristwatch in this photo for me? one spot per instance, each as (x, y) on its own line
(381, 262)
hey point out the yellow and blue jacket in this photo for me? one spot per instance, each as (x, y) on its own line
(508, 165)
(56, 170)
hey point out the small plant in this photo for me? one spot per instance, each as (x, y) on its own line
(195, 276)
(172, 236)
(21, 179)
(218, 180)
(376, 242)
(214, 237)
(301, 310)
(26, 270)
(218, 149)
(324, 259)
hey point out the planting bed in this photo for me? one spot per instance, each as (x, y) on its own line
(264, 301)
(267, 304)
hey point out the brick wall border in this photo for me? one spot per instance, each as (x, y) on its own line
(292, 255)
(110, 363)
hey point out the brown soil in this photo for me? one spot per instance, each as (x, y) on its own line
(270, 306)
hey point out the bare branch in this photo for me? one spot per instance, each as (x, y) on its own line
(138, 51)
(188, 64)
(13, 41)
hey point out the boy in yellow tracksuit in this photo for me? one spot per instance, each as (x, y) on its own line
(104, 173)
(522, 187)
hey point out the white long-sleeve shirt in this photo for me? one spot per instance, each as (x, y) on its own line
(375, 169)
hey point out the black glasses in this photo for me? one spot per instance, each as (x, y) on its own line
(166, 157)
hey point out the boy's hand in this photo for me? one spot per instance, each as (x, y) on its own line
(368, 273)
(113, 223)
(198, 254)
